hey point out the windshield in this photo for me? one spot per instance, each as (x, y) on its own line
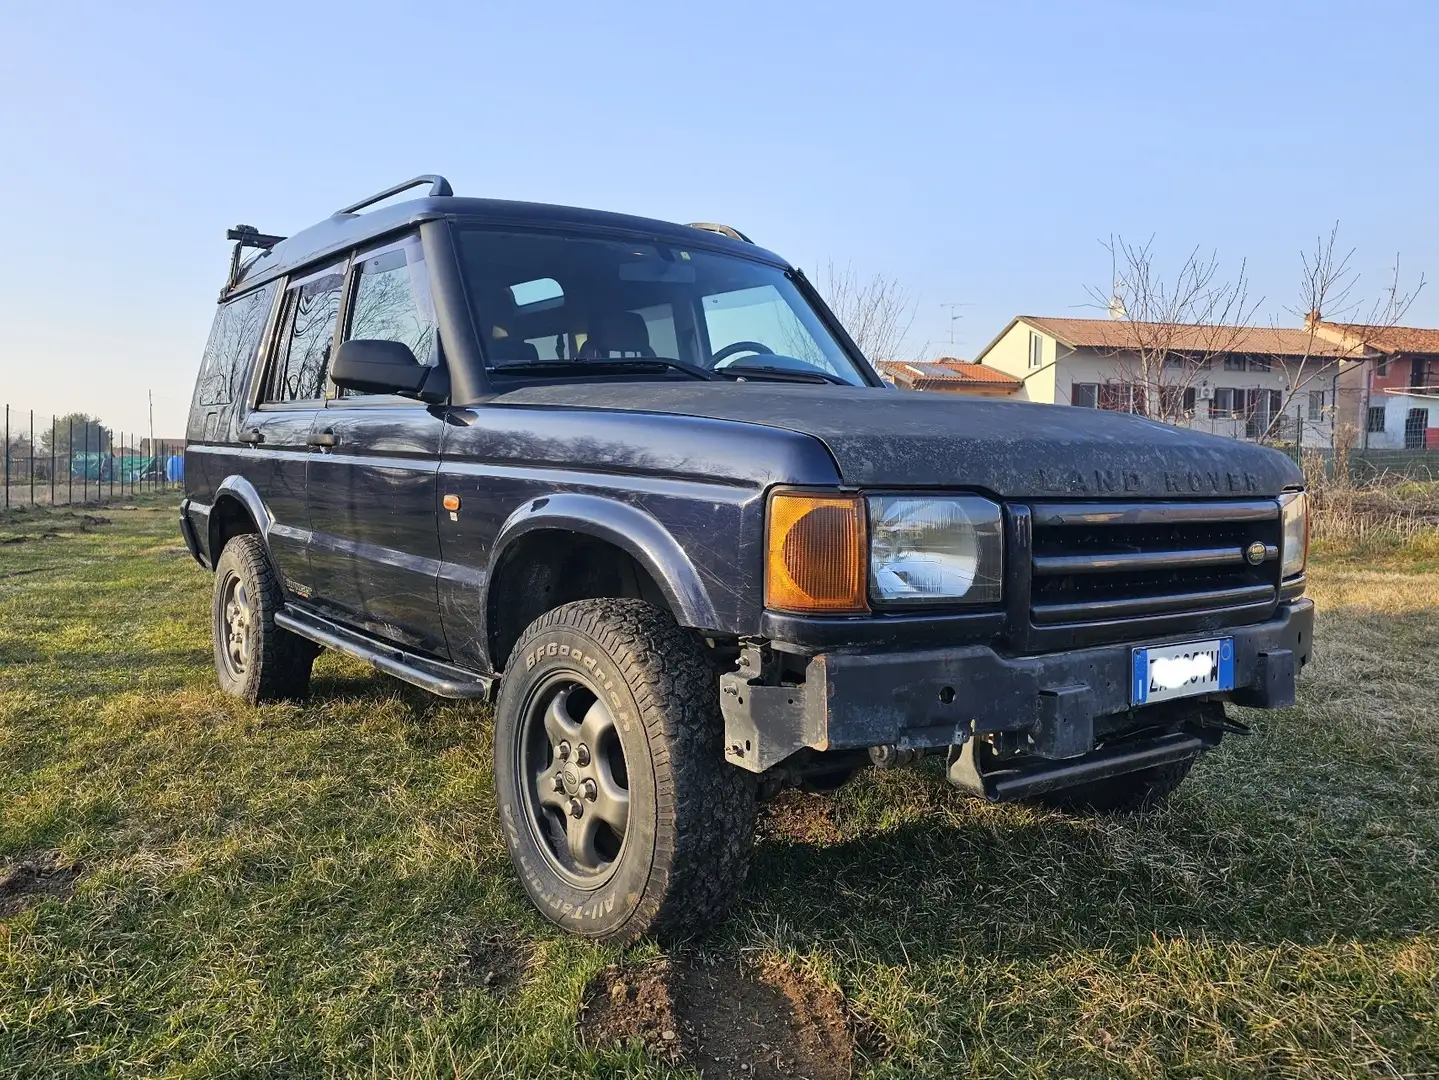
(542, 298)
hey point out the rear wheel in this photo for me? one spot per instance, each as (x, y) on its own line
(617, 806)
(255, 659)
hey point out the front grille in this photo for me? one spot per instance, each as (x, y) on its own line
(1099, 562)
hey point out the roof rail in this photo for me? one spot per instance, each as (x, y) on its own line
(439, 188)
(723, 230)
(245, 236)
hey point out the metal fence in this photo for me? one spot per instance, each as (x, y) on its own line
(73, 460)
(1370, 465)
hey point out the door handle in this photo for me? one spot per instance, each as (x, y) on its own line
(254, 435)
(320, 438)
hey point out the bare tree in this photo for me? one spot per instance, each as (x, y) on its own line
(1168, 331)
(877, 311)
(1327, 295)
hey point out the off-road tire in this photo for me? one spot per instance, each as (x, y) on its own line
(277, 665)
(691, 815)
(1125, 793)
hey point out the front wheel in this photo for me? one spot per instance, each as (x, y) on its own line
(617, 806)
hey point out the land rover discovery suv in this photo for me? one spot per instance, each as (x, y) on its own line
(633, 483)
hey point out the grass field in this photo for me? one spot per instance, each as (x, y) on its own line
(193, 887)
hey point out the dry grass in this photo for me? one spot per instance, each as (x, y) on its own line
(297, 891)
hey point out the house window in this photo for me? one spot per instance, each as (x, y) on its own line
(1176, 402)
(1316, 404)
(1376, 417)
(1233, 363)
(1259, 363)
(1383, 367)
(1085, 395)
(1222, 406)
(1123, 397)
(1036, 350)
(1415, 423)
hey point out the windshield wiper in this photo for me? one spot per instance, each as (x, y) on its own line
(737, 371)
(625, 366)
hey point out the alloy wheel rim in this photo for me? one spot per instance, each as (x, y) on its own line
(575, 781)
(236, 616)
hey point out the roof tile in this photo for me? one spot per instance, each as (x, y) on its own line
(1131, 334)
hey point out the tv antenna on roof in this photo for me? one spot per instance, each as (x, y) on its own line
(953, 318)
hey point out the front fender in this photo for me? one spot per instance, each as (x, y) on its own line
(632, 530)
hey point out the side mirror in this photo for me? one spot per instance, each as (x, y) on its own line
(378, 367)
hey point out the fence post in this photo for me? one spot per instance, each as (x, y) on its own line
(32, 457)
(111, 459)
(70, 464)
(52, 461)
(7, 457)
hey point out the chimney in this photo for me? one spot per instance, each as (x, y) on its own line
(1312, 319)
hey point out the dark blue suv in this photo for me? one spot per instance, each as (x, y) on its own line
(633, 481)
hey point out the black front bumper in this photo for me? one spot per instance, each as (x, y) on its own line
(931, 698)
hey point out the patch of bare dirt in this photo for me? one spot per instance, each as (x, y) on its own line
(723, 1020)
(494, 961)
(33, 877)
(797, 815)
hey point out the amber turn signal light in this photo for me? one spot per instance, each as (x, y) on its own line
(815, 554)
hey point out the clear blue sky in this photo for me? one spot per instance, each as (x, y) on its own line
(976, 152)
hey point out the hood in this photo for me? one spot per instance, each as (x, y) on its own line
(1013, 449)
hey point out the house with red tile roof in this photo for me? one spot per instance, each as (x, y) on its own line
(1270, 383)
(1396, 390)
(949, 375)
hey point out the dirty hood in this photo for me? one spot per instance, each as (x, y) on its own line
(1013, 449)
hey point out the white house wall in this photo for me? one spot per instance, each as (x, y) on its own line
(1093, 366)
(1010, 354)
(1396, 411)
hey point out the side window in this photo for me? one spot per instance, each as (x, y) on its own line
(1085, 395)
(228, 360)
(392, 299)
(307, 332)
(234, 341)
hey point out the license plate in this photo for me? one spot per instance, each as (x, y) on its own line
(1162, 672)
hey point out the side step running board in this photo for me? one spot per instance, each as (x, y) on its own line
(1005, 783)
(437, 677)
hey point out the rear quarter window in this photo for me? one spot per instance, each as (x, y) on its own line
(227, 362)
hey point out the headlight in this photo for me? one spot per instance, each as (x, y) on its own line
(1294, 508)
(946, 549)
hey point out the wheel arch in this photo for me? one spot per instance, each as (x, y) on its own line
(573, 525)
(237, 509)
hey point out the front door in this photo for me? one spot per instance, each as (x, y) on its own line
(277, 433)
(374, 548)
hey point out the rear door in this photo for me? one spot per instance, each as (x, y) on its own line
(374, 552)
(276, 432)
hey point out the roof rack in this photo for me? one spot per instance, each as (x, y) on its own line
(246, 236)
(439, 188)
(723, 230)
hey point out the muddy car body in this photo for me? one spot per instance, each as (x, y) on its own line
(633, 480)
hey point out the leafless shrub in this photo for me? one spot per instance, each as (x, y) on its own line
(877, 311)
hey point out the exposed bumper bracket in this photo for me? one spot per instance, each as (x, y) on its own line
(998, 783)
